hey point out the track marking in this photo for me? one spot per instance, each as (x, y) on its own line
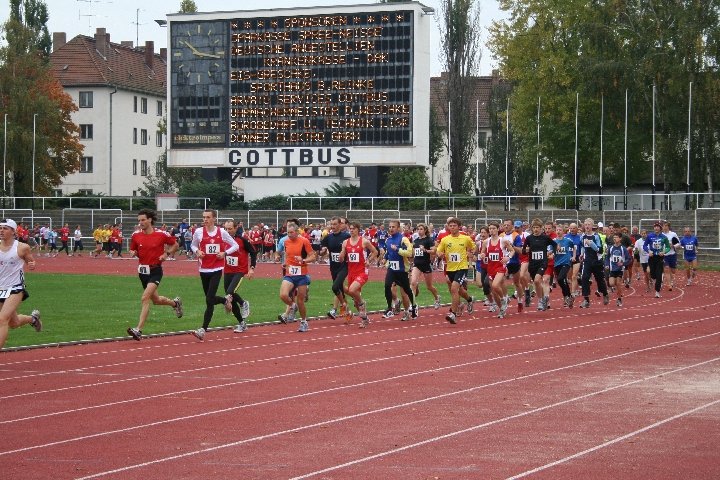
(393, 407)
(615, 440)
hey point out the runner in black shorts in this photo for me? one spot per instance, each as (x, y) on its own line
(539, 247)
(423, 247)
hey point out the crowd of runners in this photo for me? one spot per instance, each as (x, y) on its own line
(512, 261)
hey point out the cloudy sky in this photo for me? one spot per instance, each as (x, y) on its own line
(135, 19)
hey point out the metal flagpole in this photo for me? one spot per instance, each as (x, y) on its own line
(537, 160)
(653, 148)
(507, 155)
(602, 124)
(687, 182)
(577, 102)
(625, 153)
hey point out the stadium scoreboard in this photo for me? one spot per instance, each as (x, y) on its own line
(299, 87)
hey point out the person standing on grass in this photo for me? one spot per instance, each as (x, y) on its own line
(353, 253)
(13, 256)
(657, 245)
(151, 247)
(236, 268)
(211, 244)
(298, 253)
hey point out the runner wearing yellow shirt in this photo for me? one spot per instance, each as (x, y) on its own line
(456, 249)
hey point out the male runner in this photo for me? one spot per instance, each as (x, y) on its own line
(689, 244)
(236, 268)
(353, 253)
(455, 249)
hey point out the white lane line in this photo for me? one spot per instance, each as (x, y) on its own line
(498, 421)
(285, 357)
(616, 440)
(393, 407)
(359, 385)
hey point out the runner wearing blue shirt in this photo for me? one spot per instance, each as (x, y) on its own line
(564, 255)
(381, 237)
(617, 258)
(592, 264)
(576, 238)
(657, 245)
(689, 244)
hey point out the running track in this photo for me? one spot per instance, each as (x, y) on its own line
(602, 393)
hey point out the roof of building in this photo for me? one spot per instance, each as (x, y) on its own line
(480, 97)
(95, 61)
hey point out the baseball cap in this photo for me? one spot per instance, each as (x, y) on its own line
(518, 223)
(7, 222)
(601, 225)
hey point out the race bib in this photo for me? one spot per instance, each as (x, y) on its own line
(294, 270)
(454, 257)
(656, 245)
(5, 293)
(394, 265)
(212, 248)
(144, 269)
(690, 247)
(419, 252)
(494, 256)
(231, 261)
(335, 257)
(617, 259)
(354, 257)
(560, 250)
(538, 255)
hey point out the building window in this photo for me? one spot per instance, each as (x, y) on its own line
(143, 105)
(315, 172)
(248, 172)
(135, 136)
(482, 139)
(158, 139)
(158, 169)
(143, 168)
(86, 132)
(135, 193)
(143, 137)
(86, 165)
(159, 108)
(135, 104)
(86, 99)
(85, 191)
(134, 166)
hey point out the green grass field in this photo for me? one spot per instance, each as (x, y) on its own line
(87, 307)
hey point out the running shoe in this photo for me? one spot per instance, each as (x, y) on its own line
(283, 318)
(572, 302)
(292, 312)
(396, 305)
(388, 313)
(461, 308)
(406, 315)
(348, 317)
(606, 299)
(503, 308)
(332, 313)
(414, 311)
(36, 322)
(228, 303)
(671, 287)
(657, 294)
(199, 333)
(493, 308)
(688, 283)
(597, 293)
(135, 333)
(304, 327)
(342, 310)
(470, 305)
(437, 303)
(619, 302)
(520, 307)
(240, 328)
(364, 322)
(362, 310)
(178, 307)
(450, 317)
(585, 304)
(245, 309)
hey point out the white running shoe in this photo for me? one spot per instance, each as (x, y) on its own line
(245, 309)
(199, 333)
(437, 303)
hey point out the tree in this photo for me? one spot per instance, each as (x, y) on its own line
(29, 92)
(168, 179)
(406, 182)
(188, 6)
(460, 34)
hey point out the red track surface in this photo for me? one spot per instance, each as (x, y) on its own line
(564, 394)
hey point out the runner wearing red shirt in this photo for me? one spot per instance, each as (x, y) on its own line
(236, 268)
(64, 235)
(353, 252)
(150, 246)
(211, 244)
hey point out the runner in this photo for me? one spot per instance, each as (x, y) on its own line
(399, 251)
(236, 268)
(381, 237)
(298, 253)
(13, 256)
(592, 264)
(689, 244)
(332, 244)
(657, 246)
(456, 249)
(564, 254)
(540, 248)
(211, 244)
(496, 249)
(617, 258)
(671, 256)
(77, 245)
(353, 253)
(642, 258)
(423, 248)
(482, 280)
(150, 247)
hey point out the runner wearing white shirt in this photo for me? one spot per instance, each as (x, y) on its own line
(671, 256)
(644, 257)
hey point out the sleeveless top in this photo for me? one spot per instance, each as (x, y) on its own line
(11, 268)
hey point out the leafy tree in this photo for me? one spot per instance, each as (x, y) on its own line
(221, 194)
(460, 34)
(406, 182)
(188, 6)
(28, 92)
(168, 179)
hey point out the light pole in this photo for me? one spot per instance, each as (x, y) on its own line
(33, 158)
(5, 161)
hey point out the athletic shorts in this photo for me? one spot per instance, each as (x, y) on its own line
(513, 268)
(316, 247)
(690, 260)
(671, 261)
(361, 279)
(457, 276)
(14, 290)
(269, 248)
(297, 280)
(537, 269)
(616, 273)
(423, 267)
(155, 275)
(491, 272)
